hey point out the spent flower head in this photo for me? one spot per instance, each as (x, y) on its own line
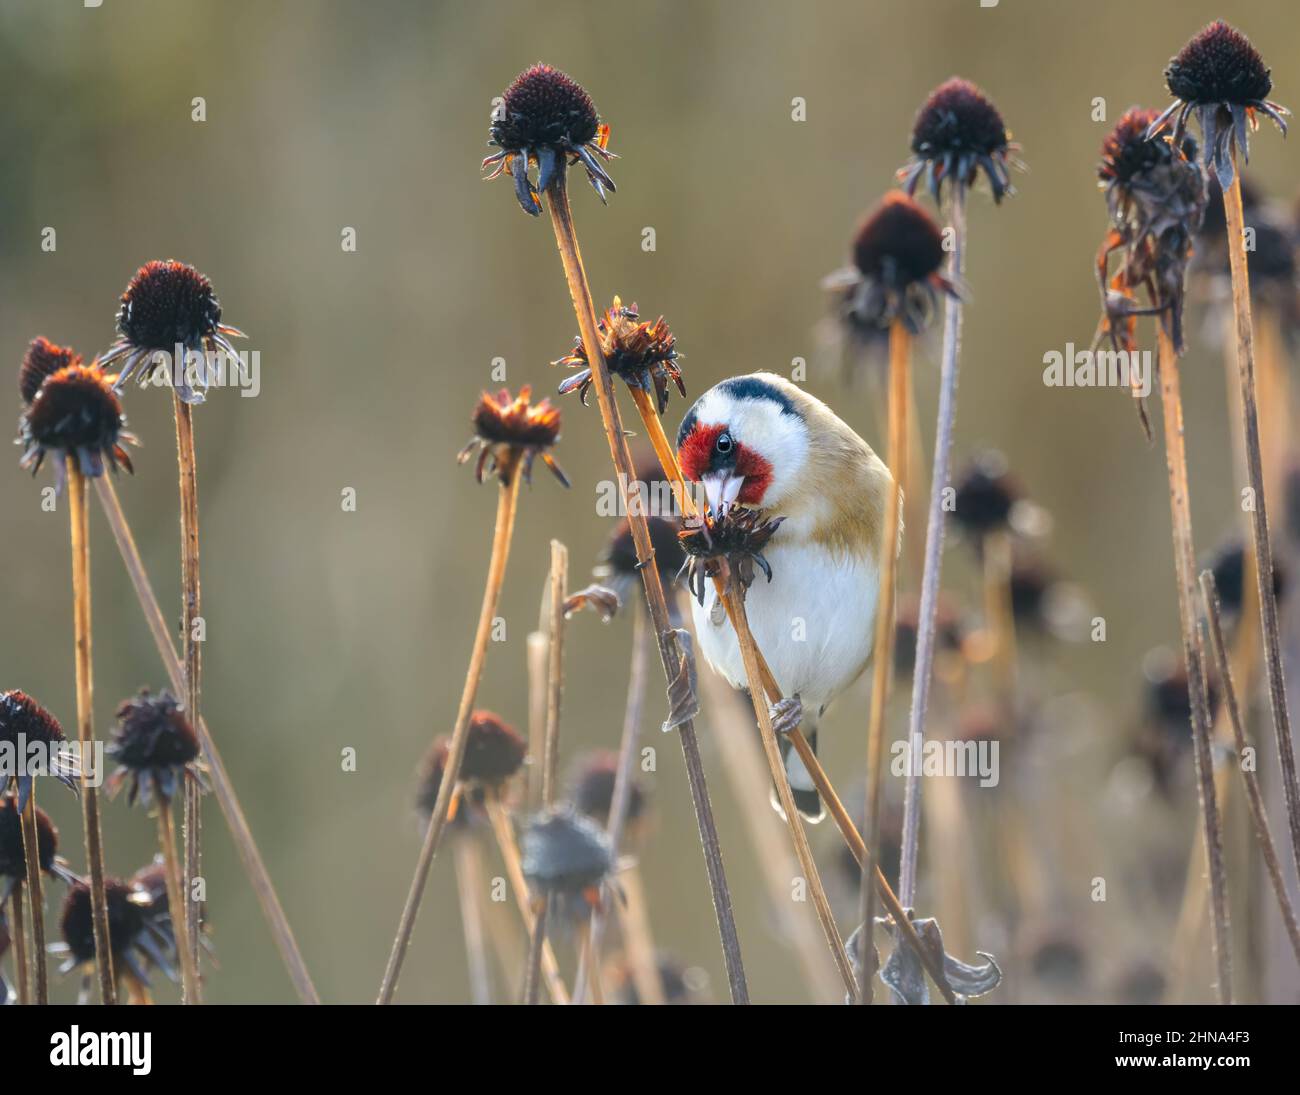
(13, 857)
(545, 118)
(644, 354)
(73, 413)
(510, 433)
(727, 547)
(139, 932)
(168, 306)
(42, 360)
(154, 744)
(1221, 79)
(959, 133)
(24, 722)
(896, 273)
(566, 854)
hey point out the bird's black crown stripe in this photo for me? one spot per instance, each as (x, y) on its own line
(741, 387)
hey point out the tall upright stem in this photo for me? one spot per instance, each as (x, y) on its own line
(1194, 655)
(900, 350)
(191, 610)
(222, 787)
(85, 727)
(507, 504)
(669, 651)
(185, 943)
(36, 905)
(1259, 513)
(559, 583)
(934, 528)
(469, 883)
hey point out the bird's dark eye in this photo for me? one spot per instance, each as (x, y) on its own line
(723, 444)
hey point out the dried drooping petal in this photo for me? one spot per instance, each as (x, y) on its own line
(905, 973)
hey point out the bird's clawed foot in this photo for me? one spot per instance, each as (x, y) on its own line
(786, 714)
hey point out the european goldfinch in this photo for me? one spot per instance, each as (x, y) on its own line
(762, 442)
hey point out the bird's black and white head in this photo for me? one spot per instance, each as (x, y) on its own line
(747, 441)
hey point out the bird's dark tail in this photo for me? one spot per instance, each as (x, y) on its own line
(806, 799)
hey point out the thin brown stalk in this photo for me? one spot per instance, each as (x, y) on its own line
(18, 936)
(538, 665)
(536, 947)
(1254, 796)
(900, 353)
(559, 592)
(934, 528)
(191, 609)
(85, 727)
(621, 796)
(507, 504)
(669, 651)
(176, 900)
(735, 605)
(222, 787)
(35, 902)
(509, 848)
(1259, 512)
(469, 888)
(593, 968)
(1193, 654)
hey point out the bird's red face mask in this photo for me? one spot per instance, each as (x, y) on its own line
(730, 471)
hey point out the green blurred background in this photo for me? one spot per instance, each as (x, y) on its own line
(329, 629)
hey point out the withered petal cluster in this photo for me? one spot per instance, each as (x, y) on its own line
(139, 930)
(959, 133)
(168, 304)
(547, 118)
(510, 432)
(644, 354)
(729, 547)
(1156, 197)
(897, 265)
(1221, 79)
(154, 744)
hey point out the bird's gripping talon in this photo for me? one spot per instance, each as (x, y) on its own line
(786, 714)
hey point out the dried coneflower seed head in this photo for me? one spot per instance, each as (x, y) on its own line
(897, 257)
(958, 133)
(165, 303)
(126, 920)
(544, 106)
(75, 415)
(545, 118)
(1219, 65)
(1228, 564)
(950, 631)
(593, 788)
(644, 354)
(565, 852)
(494, 750)
(985, 495)
(1126, 153)
(729, 547)
(24, 722)
(510, 433)
(1221, 78)
(13, 860)
(42, 359)
(154, 742)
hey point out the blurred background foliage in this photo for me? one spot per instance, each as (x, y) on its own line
(329, 629)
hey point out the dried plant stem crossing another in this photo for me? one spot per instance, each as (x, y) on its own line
(222, 787)
(36, 904)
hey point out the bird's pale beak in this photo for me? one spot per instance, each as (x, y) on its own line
(722, 489)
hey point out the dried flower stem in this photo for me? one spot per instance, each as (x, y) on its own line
(536, 947)
(735, 605)
(621, 796)
(882, 671)
(507, 505)
(509, 848)
(185, 943)
(934, 529)
(559, 592)
(192, 831)
(670, 654)
(638, 944)
(85, 727)
(1259, 513)
(469, 883)
(538, 665)
(36, 903)
(18, 921)
(1254, 796)
(222, 787)
(1193, 655)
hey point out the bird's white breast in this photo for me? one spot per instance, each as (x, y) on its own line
(814, 622)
